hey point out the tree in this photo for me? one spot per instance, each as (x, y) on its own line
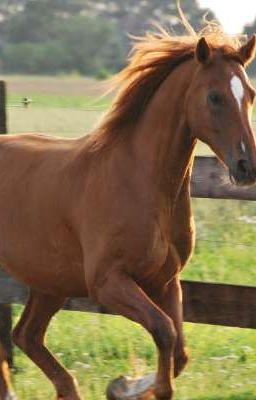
(11, 7)
(54, 36)
(89, 36)
(136, 16)
(78, 44)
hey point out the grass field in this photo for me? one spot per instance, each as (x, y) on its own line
(97, 348)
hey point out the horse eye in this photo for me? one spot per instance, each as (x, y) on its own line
(215, 98)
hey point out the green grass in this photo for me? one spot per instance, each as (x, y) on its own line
(56, 121)
(97, 348)
(225, 247)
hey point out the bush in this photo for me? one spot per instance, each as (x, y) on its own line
(86, 45)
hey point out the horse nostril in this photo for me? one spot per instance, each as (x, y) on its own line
(245, 173)
(243, 167)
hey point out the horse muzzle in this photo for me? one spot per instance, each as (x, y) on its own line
(243, 173)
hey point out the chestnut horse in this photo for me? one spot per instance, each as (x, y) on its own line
(108, 215)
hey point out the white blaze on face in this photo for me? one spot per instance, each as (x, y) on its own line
(237, 89)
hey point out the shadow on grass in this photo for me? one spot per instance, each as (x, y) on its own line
(240, 396)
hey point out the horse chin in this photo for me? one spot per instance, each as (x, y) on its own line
(236, 180)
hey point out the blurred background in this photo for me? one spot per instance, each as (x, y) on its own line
(54, 57)
(89, 37)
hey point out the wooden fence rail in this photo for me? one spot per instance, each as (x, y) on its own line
(211, 180)
(5, 309)
(207, 303)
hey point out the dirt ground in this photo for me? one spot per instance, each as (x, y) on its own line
(59, 86)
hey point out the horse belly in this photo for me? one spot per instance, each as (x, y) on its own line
(52, 265)
(59, 279)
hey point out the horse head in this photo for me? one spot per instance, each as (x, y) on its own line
(219, 106)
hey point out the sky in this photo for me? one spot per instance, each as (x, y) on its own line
(232, 14)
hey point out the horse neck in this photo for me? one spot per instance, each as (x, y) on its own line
(162, 139)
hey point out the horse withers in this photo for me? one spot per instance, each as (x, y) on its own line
(108, 215)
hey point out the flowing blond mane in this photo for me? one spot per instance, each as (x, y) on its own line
(152, 58)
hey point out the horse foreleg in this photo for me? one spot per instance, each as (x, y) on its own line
(6, 391)
(121, 294)
(170, 301)
(29, 336)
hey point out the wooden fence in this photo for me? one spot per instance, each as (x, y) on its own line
(211, 303)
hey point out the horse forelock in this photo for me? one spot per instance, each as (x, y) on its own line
(152, 58)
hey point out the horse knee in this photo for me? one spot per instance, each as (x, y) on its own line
(164, 333)
(16, 336)
(23, 339)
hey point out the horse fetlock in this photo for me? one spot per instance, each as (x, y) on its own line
(10, 396)
(163, 392)
(73, 396)
(180, 362)
(66, 388)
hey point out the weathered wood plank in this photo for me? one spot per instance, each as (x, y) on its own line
(206, 303)
(211, 180)
(220, 304)
(5, 309)
(3, 117)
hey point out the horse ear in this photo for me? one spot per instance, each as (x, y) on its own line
(203, 51)
(247, 51)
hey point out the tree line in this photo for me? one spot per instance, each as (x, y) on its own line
(87, 37)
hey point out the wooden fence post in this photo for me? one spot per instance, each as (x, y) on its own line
(5, 309)
(3, 117)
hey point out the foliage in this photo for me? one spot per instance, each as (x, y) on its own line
(90, 37)
(78, 43)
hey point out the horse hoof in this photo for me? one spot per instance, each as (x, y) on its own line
(164, 393)
(125, 388)
(69, 397)
(10, 396)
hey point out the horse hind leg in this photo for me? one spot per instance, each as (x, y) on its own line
(29, 335)
(6, 391)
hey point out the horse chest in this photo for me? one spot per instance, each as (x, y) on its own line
(171, 249)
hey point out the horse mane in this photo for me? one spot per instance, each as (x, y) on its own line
(152, 58)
